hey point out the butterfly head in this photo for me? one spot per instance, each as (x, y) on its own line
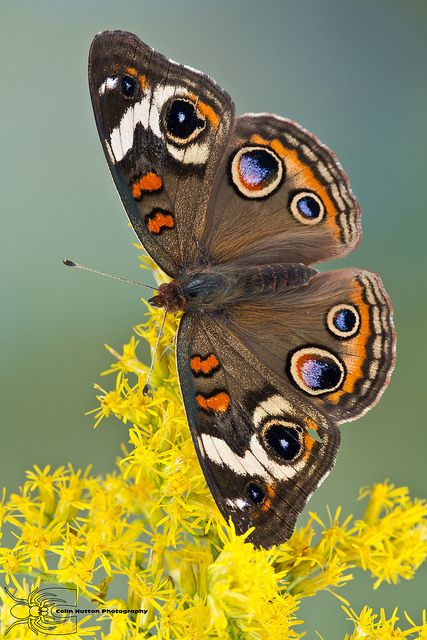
(171, 296)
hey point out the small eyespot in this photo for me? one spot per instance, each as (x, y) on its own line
(307, 207)
(128, 86)
(183, 121)
(343, 320)
(316, 371)
(283, 439)
(256, 172)
(255, 493)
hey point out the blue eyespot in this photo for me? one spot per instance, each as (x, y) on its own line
(128, 85)
(316, 370)
(284, 441)
(255, 493)
(255, 167)
(343, 320)
(256, 172)
(307, 207)
(320, 374)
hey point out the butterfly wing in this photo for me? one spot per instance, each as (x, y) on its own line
(254, 436)
(333, 340)
(163, 128)
(279, 196)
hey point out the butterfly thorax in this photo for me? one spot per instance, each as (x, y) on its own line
(216, 287)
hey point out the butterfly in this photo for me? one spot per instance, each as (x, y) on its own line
(271, 354)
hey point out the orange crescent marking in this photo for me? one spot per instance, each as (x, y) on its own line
(266, 505)
(149, 182)
(202, 402)
(218, 402)
(271, 493)
(307, 174)
(160, 220)
(204, 365)
(143, 81)
(358, 346)
(195, 364)
(205, 110)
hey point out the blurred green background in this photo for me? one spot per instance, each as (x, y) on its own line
(354, 73)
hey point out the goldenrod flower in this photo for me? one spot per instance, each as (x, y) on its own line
(369, 625)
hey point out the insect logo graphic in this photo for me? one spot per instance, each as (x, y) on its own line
(43, 611)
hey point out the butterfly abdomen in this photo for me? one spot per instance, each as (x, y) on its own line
(267, 278)
(217, 287)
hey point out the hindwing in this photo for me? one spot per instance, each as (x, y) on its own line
(262, 449)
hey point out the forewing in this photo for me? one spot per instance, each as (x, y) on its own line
(280, 196)
(255, 437)
(163, 128)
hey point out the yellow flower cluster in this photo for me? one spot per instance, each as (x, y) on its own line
(153, 526)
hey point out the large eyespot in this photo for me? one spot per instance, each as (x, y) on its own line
(183, 121)
(283, 438)
(128, 86)
(256, 171)
(255, 493)
(307, 207)
(343, 320)
(316, 371)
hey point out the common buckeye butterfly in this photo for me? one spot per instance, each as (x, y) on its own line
(272, 355)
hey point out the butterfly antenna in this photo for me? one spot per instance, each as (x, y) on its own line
(150, 371)
(71, 263)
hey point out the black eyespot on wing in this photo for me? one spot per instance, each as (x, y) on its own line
(128, 86)
(256, 172)
(258, 166)
(322, 374)
(284, 441)
(343, 321)
(182, 120)
(315, 370)
(255, 493)
(306, 206)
